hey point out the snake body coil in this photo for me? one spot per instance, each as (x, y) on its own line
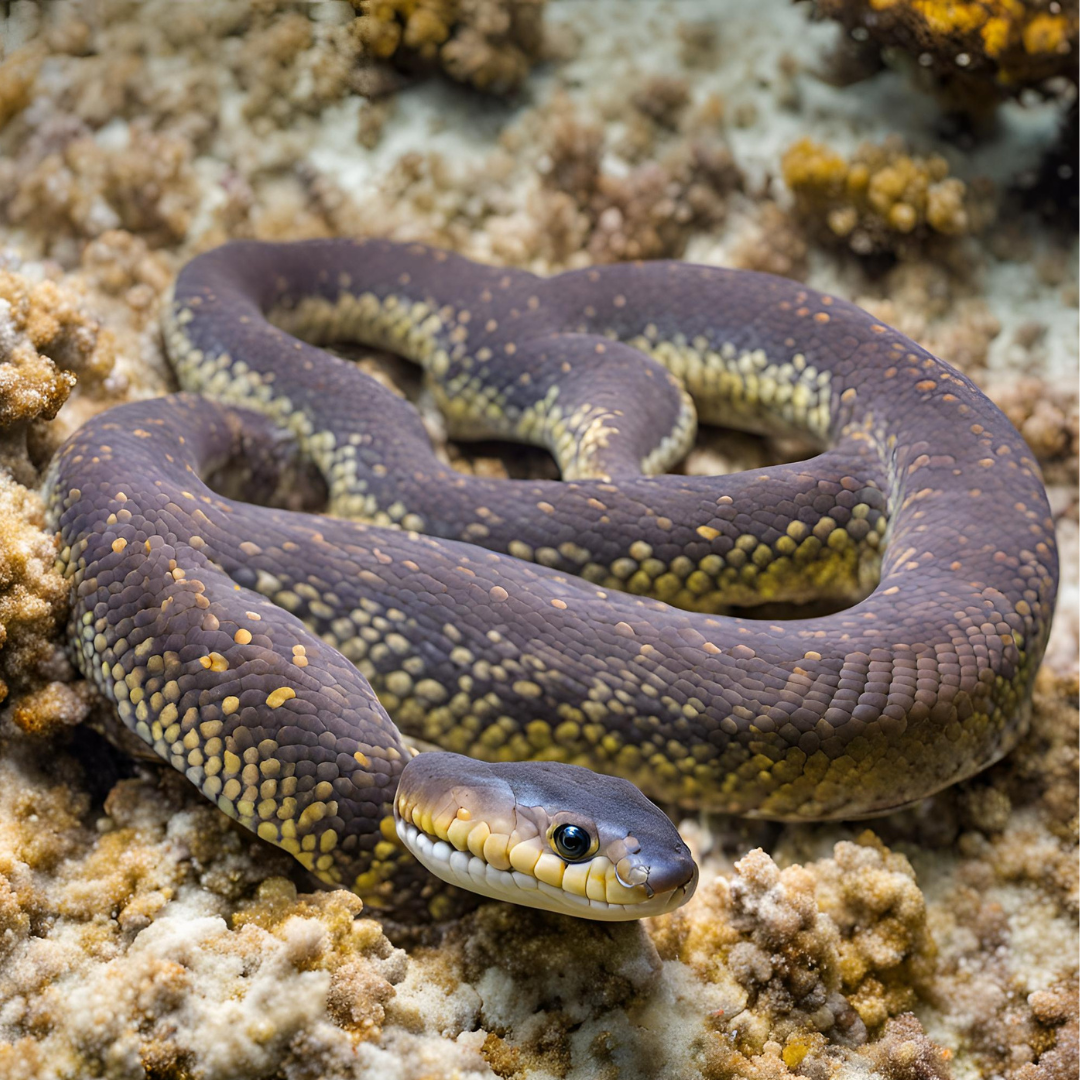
(575, 621)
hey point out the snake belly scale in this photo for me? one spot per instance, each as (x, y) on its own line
(263, 653)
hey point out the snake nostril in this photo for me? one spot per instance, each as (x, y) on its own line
(631, 874)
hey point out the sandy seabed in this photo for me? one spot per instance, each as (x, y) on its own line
(142, 935)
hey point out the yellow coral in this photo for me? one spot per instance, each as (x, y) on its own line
(1046, 34)
(1005, 45)
(884, 200)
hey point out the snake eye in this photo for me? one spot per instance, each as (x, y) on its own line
(572, 842)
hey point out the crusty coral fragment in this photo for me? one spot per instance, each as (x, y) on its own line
(294, 65)
(1047, 418)
(54, 321)
(18, 73)
(47, 339)
(345, 947)
(122, 264)
(489, 44)
(110, 955)
(832, 949)
(32, 595)
(85, 188)
(418, 25)
(649, 212)
(1056, 1009)
(904, 1052)
(772, 243)
(886, 953)
(55, 705)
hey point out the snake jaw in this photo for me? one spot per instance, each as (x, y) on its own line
(474, 874)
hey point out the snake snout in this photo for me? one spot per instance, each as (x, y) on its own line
(661, 872)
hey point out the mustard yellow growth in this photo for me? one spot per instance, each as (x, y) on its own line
(997, 45)
(883, 198)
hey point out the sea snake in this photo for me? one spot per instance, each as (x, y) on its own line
(544, 625)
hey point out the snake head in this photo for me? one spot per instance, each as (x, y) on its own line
(543, 834)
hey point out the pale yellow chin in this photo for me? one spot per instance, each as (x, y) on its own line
(589, 890)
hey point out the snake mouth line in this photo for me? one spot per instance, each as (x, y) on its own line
(470, 872)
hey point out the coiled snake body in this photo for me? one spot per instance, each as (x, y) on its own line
(574, 621)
